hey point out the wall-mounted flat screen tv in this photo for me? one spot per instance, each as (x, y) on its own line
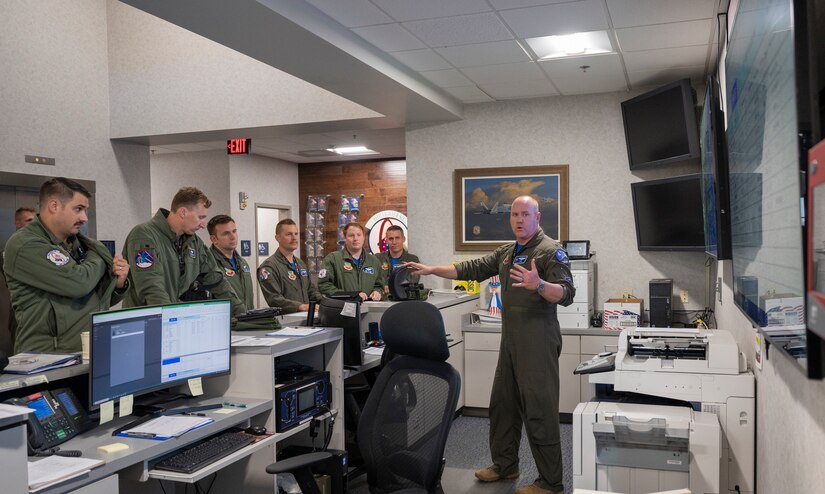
(668, 214)
(660, 126)
(715, 187)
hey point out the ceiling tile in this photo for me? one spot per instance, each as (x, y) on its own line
(586, 83)
(469, 94)
(665, 35)
(508, 72)
(484, 54)
(352, 13)
(627, 13)
(276, 144)
(666, 76)
(422, 59)
(524, 89)
(599, 66)
(460, 30)
(389, 37)
(447, 78)
(407, 10)
(565, 18)
(517, 4)
(685, 56)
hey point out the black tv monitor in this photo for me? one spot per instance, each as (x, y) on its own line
(660, 126)
(668, 214)
(715, 184)
(142, 349)
(346, 314)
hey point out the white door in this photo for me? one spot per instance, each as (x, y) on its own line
(267, 217)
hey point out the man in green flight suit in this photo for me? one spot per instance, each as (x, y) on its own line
(224, 236)
(395, 255)
(535, 278)
(167, 257)
(283, 277)
(8, 325)
(56, 276)
(352, 269)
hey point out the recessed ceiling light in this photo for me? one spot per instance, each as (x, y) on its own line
(570, 45)
(352, 150)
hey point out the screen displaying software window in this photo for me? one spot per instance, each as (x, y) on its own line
(137, 350)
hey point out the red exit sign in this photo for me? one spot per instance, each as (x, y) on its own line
(238, 146)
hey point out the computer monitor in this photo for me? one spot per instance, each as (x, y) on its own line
(331, 314)
(142, 349)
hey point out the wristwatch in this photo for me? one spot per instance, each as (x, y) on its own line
(540, 288)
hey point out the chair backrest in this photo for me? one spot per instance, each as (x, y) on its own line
(407, 418)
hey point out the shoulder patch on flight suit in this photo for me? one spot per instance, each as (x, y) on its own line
(263, 275)
(369, 271)
(57, 257)
(191, 252)
(304, 273)
(144, 259)
(291, 275)
(347, 266)
(229, 271)
(561, 255)
(322, 273)
(385, 266)
(519, 259)
(246, 268)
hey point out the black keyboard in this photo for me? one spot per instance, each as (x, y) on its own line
(259, 313)
(206, 452)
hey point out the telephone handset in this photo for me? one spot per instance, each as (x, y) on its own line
(58, 417)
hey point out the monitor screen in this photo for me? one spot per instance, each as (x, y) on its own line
(346, 314)
(142, 349)
(660, 126)
(669, 214)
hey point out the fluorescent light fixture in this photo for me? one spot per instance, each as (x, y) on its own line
(352, 150)
(570, 45)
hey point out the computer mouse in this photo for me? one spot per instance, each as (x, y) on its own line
(256, 430)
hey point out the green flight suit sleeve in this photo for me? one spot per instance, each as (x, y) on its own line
(480, 269)
(213, 276)
(558, 272)
(149, 281)
(31, 264)
(271, 289)
(326, 284)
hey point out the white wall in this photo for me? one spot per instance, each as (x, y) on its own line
(167, 80)
(54, 101)
(584, 132)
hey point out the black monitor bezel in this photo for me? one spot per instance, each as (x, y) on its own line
(93, 406)
(719, 170)
(646, 183)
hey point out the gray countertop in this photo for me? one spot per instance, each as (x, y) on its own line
(496, 328)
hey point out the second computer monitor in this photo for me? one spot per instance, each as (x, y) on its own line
(142, 349)
(332, 313)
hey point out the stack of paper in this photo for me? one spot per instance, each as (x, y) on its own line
(30, 363)
(56, 469)
(166, 427)
(484, 317)
(292, 331)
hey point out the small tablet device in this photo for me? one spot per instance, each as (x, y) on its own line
(577, 249)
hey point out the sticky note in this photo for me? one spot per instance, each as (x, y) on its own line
(9, 385)
(225, 410)
(107, 411)
(113, 448)
(31, 381)
(349, 309)
(196, 386)
(126, 403)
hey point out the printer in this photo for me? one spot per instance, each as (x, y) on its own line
(702, 368)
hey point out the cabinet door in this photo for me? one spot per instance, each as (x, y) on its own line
(480, 368)
(457, 361)
(568, 382)
(587, 389)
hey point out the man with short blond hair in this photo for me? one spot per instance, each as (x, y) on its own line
(169, 262)
(283, 277)
(352, 269)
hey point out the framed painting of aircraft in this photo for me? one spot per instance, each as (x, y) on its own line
(483, 197)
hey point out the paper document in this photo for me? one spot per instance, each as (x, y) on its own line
(296, 331)
(14, 411)
(259, 341)
(30, 363)
(166, 426)
(349, 310)
(55, 469)
(374, 350)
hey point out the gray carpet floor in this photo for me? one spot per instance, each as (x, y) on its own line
(468, 449)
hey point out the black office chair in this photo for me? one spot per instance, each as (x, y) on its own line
(409, 412)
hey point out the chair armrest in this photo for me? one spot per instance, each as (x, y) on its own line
(296, 462)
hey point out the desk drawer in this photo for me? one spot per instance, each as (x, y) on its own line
(482, 341)
(570, 344)
(594, 345)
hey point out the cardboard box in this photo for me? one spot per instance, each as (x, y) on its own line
(781, 309)
(622, 313)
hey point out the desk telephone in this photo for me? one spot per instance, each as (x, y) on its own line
(58, 416)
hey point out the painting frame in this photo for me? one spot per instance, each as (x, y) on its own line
(467, 178)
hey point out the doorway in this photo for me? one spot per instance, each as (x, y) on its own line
(267, 217)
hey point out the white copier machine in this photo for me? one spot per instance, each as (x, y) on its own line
(638, 447)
